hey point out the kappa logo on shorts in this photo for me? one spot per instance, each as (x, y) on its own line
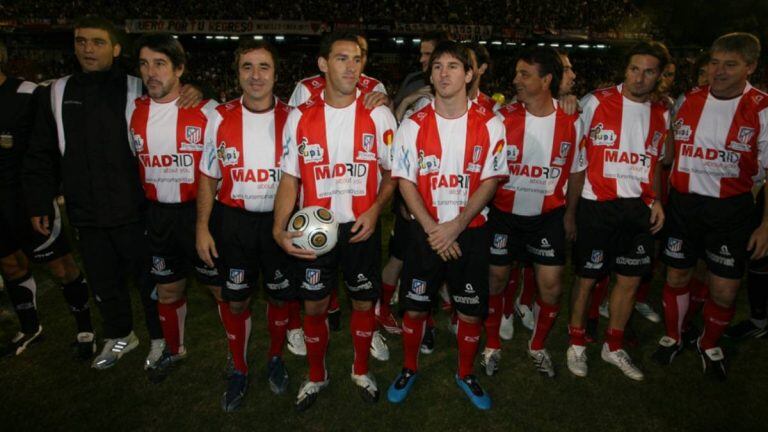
(545, 243)
(278, 274)
(724, 251)
(418, 286)
(640, 250)
(469, 289)
(312, 276)
(236, 276)
(500, 241)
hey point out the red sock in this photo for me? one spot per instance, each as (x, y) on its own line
(577, 336)
(316, 339)
(614, 338)
(716, 320)
(294, 314)
(277, 324)
(642, 292)
(699, 295)
(172, 317)
(511, 291)
(529, 287)
(493, 321)
(333, 302)
(675, 302)
(430, 321)
(387, 291)
(598, 295)
(468, 338)
(545, 315)
(362, 324)
(238, 329)
(413, 332)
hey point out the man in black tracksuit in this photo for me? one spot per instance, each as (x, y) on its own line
(80, 144)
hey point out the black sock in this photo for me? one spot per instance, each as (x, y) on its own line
(757, 292)
(76, 294)
(22, 293)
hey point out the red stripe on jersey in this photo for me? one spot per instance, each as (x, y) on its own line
(654, 146)
(190, 130)
(565, 133)
(281, 115)
(514, 123)
(485, 101)
(608, 116)
(746, 115)
(138, 130)
(688, 115)
(230, 136)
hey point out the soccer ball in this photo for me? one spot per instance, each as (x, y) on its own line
(318, 228)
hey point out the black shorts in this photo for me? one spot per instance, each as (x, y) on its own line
(538, 239)
(613, 236)
(246, 247)
(171, 232)
(467, 278)
(360, 265)
(16, 231)
(716, 230)
(398, 238)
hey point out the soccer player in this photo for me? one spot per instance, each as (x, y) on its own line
(337, 156)
(449, 161)
(80, 144)
(168, 141)
(526, 219)
(721, 146)
(19, 242)
(416, 86)
(241, 167)
(618, 213)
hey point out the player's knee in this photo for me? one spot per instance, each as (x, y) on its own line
(678, 277)
(64, 269)
(497, 279)
(316, 307)
(216, 292)
(468, 318)
(362, 305)
(416, 314)
(169, 293)
(238, 307)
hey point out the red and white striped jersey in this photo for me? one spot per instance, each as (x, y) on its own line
(338, 154)
(540, 153)
(314, 85)
(447, 159)
(243, 149)
(721, 146)
(487, 102)
(623, 142)
(168, 142)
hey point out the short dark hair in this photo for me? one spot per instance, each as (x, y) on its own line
(249, 45)
(651, 48)
(101, 23)
(331, 38)
(481, 53)
(163, 43)
(548, 61)
(456, 49)
(746, 44)
(435, 36)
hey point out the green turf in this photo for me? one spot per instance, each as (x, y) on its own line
(46, 389)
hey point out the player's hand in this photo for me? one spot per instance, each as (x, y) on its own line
(365, 225)
(569, 104)
(41, 224)
(189, 97)
(206, 247)
(452, 253)
(569, 223)
(443, 235)
(657, 217)
(758, 242)
(374, 99)
(284, 239)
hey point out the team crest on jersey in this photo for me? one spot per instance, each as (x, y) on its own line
(138, 141)
(367, 153)
(682, 131)
(428, 164)
(227, 155)
(193, 136)
(653, 149)
(310, 152)
(562, 156)
(474, 166)
(236, 276)
(746, 134)
(601, 136)
(418, 287)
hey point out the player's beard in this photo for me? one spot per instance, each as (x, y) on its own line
(161, 92)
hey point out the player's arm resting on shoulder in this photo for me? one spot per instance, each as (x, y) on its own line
(191, 95)
(573, 192)
(410, 100)
(569, 103)
(376, 98)
(285, 201)
(206, 246)
(41, 175)
(758, 241)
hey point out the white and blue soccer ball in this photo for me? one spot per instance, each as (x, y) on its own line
(318, 227)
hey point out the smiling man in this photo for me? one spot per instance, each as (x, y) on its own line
(721, 146)
(618, 213)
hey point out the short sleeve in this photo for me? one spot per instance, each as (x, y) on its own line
(496, 159)
(209, 163)
(578, 126)
(290, 159)
(385, 134)
(299, 95)
(406, 162)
